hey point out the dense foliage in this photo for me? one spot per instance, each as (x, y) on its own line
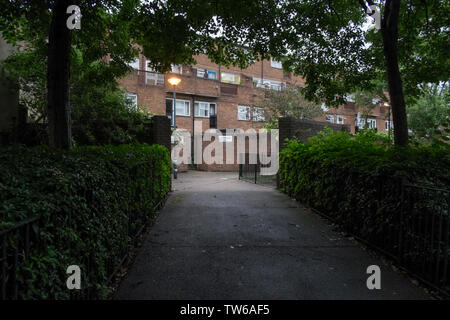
(430, 112)
(91, 202)
(97, 104)
(288, 102)
(389, 197)
(318, 171)
(101, 112)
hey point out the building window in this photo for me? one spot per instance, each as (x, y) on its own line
(329, 118)
(231, 78)
(212, 75)
(388, 124)
(202, 73)
(134, 64)
(134, 101)
(276, 64)
(204, 109)
(269, 84)
(212, 109)
(148, 67)
(243, 113)
(372, 123)
(360, 123)
(340, 119)
(183, 107)
(206, 74)
(350, 98)
(258, 114)
(177, 68)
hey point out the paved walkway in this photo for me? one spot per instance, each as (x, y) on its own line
(220, 238)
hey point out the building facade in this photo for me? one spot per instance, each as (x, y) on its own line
(225, 98)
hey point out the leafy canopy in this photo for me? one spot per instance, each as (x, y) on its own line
(327, 42)
(289, 102)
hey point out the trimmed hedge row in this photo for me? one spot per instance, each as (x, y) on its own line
(91, 201)
(355, 179)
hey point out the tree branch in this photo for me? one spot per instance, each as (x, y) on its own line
(426, 13)
(365, 4)
(333, 10)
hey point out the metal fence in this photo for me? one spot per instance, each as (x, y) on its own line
(409, 223)
(18, 242)
(255, 168)
(423, 244)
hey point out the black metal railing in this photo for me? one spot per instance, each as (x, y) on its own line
(19, 241)
(423, 244)
(409, 223)
(256, 168)
(15, 249)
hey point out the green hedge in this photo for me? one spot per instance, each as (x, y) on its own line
(341, 175)
(92, 202)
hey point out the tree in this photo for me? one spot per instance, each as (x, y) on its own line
(333, 52)
(368, 99)
(289, 102)
(42, 26)
(58, 75)
(324, 41)
(429, 112)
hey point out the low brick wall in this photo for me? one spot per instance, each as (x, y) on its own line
(288, 128)
(304, 129)
(226, 147)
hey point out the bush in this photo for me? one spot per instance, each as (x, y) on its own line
(91, 202)
(378, 192)
(341, 175)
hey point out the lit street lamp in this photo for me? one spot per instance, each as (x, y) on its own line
(174, 81)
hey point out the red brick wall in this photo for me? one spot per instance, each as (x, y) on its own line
(193, 88)
(349, 111)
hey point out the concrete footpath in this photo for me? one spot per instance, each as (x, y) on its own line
(221, 238)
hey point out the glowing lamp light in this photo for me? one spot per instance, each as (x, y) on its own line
(174, 81)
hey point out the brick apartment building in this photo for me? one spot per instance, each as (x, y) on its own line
(225, 98)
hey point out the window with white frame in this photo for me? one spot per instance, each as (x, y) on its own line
(204, 109)
(276, 64)
(388, 124)
(329, 118)
(340, 119)
(207, 74)
(258, 114)
(201, 72)
(134, 100)
(269, 84)
(148, 67)
(183, 107)
(360, 123)
(230, 78)
(372, 123)
(134, 64)
(350, 98)
(177, 68)
(243, 113)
